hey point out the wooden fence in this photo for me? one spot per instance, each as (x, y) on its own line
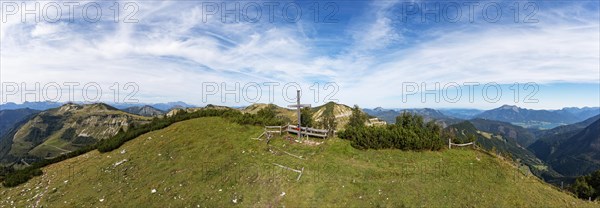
(322, 133)
(450, 144)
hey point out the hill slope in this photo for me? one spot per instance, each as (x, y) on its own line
(340, 112)
(144, 111)
(8, 118)
(505, 142)
(64, 129)
(209, 162)
(521, 135)
(549, 140)
(580, 154)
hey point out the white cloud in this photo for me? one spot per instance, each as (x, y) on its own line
(171, 51)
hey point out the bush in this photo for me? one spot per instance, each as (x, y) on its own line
(409, 133)
(266, 116)
(587, 186)
(21, 176)
(123, 136)
(358, 118)
(306, 117)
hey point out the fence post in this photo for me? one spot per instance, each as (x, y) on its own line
(449, 143)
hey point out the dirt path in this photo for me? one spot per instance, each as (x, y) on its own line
(58, 148)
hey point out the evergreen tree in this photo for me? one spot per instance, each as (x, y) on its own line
(588, 186)
(328, 123)
(358, 118)
(306, 117)
(410, 133)
(267, 112)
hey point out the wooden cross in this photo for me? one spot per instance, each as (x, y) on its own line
(298, 107)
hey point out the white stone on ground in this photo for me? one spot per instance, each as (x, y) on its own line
(120, 162)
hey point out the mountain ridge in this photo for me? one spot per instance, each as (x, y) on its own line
(544, 119)
(67, 128)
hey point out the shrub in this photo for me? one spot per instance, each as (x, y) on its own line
(409, 133)
(587, 186)
(265, 116)
(21, 176)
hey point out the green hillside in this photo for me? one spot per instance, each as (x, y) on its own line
(209, 162)
(504, 143)
(581, 154)
(57, 131)
(8, 118)
(340, 113)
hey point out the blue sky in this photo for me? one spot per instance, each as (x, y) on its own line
(371, 50)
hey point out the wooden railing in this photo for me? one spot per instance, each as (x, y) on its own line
(450, 144)
(274, 129)
(322, 133)
(306, 131)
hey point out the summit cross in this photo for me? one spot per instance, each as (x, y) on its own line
(298, 107)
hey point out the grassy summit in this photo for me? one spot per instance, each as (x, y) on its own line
(213, 163)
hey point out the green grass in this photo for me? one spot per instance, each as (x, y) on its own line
(485, 134)
(211, 162)
(96, 120)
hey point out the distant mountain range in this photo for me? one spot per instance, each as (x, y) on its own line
(31, 105)
(462, 113)
(428, 114)
(581, 113)
(388, 115)
(527, 118)
(48, 105)
(144, 111)
(165, 107)
(543, 119)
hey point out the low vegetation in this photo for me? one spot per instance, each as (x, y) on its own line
(265, 116)
(409, 132)
(587, 187)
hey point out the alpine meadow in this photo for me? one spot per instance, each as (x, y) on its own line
(393, 103)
